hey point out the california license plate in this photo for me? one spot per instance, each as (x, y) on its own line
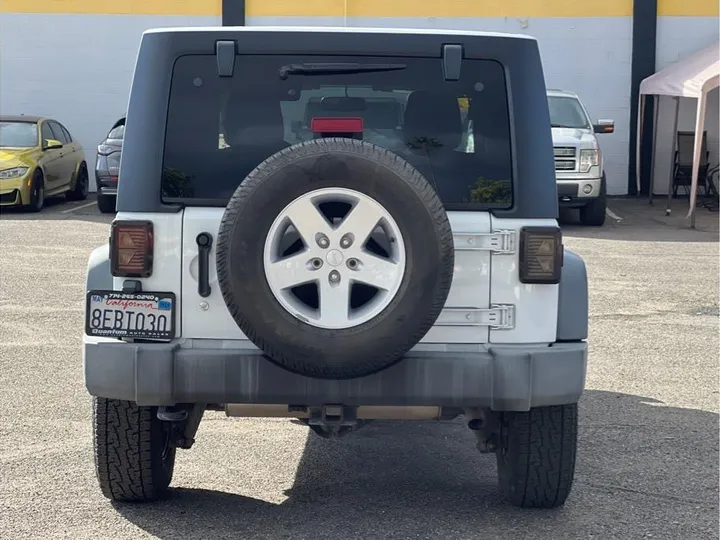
(143, 315)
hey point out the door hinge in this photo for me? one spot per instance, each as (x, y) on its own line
(497, 317)
(500, 242)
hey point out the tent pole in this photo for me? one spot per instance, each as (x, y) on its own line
(656, 100)
(697, 150)
(640, 119)
(673, 146)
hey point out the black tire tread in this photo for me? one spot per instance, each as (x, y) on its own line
(106, 204)
(32, 205)
(541, 450)
(76, 194)
(123, 447)
(593, 214)
(385, 158)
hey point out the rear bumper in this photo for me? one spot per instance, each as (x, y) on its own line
(503, 378)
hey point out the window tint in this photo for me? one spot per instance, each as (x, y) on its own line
(47, 132)
(456, 133)
(67, 134)
(59, 134)
(567, 112)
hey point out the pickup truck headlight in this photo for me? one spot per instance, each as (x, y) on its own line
(589, 158)
(17, 172)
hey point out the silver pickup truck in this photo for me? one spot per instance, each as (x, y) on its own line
(578, 159)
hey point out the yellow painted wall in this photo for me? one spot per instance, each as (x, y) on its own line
(368, 8)
(688, 8)
(136, 7)
(439, 8)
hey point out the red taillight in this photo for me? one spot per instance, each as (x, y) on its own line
(131, 249)
(336, 125)
(541, 255)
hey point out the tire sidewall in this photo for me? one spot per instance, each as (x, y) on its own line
(37, 192)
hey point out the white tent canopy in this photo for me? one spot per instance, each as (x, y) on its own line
(693, 77)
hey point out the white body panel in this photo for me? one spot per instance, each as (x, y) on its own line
(167, 257)
(471, 282)
(209, 317)
(482, 279)
(536, 306)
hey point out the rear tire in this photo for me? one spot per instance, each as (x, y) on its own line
(134, 457)
(106, 204)
(80, 191)
(37, 192)
(593, 213)
(536, 455)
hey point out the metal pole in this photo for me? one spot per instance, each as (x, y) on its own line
(656, 101)
(697, 152)
(671, 176)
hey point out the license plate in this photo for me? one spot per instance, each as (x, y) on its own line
(143, 315)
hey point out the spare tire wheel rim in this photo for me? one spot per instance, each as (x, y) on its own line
(365, 248)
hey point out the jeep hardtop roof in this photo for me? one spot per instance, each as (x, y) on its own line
(532, 171)
(336, 29)
(553, 92)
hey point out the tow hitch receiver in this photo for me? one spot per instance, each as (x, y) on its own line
(332, 421)
(333, 416)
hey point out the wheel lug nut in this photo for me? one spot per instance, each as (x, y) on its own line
(334, 276)
(352, 264)
(322, 240)
(346, 241)
(316, 263)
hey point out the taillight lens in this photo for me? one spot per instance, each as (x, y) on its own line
(131, 248)
(541, 255)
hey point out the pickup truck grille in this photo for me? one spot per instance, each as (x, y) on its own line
(565, 158)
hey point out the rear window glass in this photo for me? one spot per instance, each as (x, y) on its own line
(455, 133)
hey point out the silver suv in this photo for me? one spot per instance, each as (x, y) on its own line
(305, 231)
(578, 159)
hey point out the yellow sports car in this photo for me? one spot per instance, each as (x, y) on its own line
(39, 159)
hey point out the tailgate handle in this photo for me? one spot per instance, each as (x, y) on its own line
(204, 242)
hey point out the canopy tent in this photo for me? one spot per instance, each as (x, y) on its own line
(692, 77)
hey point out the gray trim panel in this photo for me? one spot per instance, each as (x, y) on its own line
(572, 318)
(535, 191)
(502, 378)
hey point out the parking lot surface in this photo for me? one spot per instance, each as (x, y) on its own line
(648, 457)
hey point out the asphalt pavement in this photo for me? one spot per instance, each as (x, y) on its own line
(648, 456)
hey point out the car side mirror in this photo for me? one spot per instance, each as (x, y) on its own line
(604, 126)
(51, 144)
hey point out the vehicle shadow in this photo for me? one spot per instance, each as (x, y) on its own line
(643, 469)
(641, 222)
(59, 208)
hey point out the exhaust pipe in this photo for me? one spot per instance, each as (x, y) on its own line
(363, 412)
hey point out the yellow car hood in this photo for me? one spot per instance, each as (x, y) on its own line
(10, 158)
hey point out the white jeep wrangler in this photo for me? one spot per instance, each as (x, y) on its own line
(318, 234)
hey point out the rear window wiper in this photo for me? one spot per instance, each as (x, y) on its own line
(329, 68)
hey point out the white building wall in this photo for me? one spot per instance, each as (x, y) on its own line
(76, 68)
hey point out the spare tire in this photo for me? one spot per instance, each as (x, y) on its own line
(335, 257)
